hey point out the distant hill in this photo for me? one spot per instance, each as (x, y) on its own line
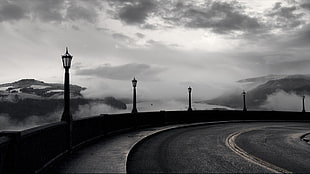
(262, 79)
(28, 97)
(34, 89)
(256, 97)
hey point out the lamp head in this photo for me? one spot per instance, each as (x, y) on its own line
(66, 59)
(189, 89)
(134, 82)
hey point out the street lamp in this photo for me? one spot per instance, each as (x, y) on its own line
(244, 104)
(303, 104)
(189, 99)
(134, 85)
(66, 61)
(66, 116)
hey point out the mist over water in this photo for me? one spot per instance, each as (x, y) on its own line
(279, 101)
(94, 109)
(8, 123)
(282, 101)
(87, 110)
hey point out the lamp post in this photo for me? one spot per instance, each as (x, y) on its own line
(66, 116)
(189, 99)
(244, 103)
(134, 106)
(303, 104)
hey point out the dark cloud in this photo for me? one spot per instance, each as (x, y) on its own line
(285, 12)
(220, 17)
(122, 72)
(306, 5)
(136, 13)
(140, 35)
(217, 16)
(49, 10)
(133, 11)
(10, 10)
(285, 17)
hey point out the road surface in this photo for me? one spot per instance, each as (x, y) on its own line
(260, 147)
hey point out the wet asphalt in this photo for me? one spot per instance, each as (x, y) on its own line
(202, 149)
(280, 146)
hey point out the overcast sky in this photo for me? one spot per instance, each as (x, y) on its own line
(167, 44)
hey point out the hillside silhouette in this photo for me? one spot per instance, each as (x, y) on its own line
(257, 96)
(29, 97)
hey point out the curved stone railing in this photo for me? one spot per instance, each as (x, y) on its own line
(32, 150)
(4, 155)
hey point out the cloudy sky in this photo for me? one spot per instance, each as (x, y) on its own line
(167, 44)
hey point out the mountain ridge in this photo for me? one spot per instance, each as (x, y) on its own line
(257, 96)
(40, 88)
(27, 97)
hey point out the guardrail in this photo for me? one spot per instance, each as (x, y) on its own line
(31, 150)
(4, 154)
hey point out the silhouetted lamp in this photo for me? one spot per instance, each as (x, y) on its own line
(134, 82)
(189, 99)
(303, 104)
(66, 116)
(66, 59)
(244, 103)
(134, 106)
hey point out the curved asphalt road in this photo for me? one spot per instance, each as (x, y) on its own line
(203, 149)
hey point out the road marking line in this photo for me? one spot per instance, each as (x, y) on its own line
(230, 142)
